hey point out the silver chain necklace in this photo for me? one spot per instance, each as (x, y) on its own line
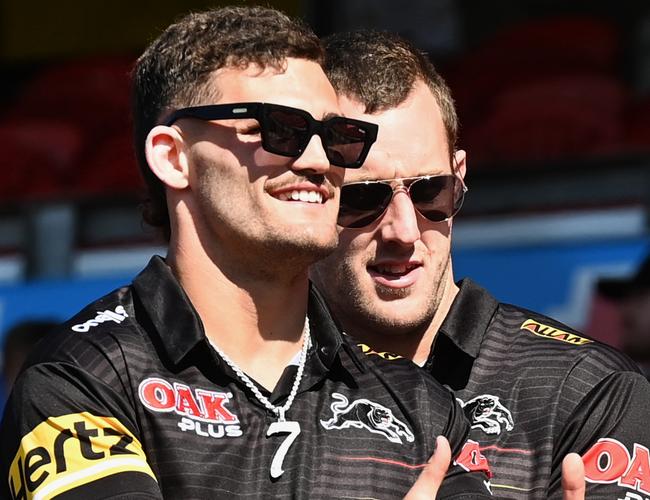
(281, 425)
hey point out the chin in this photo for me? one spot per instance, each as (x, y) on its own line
(397, 325)
(402, 312)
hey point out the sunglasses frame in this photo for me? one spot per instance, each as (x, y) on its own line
(260, 111)
(405, 186)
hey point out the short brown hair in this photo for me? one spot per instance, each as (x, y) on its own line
(175, 69)
(380, 69)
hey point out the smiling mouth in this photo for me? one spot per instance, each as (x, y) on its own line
(301, 195)
(393, 270)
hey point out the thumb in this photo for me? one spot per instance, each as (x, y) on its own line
(430, 479)
(573, 477)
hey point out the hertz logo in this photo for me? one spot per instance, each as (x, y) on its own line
(65, 452)
(553, 333)
(367, 350)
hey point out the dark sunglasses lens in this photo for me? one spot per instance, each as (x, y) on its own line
(363, 203)
(434, 197)
(285, 132)
(344, 142)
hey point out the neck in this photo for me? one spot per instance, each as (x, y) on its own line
(256, 319)
(413, 341)
(423, 347)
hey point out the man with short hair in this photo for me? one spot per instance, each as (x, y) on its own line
(533, 389)
(218, 372)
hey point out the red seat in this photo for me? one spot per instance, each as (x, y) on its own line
(110, 167)
(529, 51)
(553, 119)
(39, 157)
(637, 131)
(93, 93)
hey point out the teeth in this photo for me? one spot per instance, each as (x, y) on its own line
(302, 195)
(394, 268)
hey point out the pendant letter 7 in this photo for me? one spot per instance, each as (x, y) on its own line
(293, 428)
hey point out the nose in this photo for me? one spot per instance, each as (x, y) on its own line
(313, 159)
(399, 223)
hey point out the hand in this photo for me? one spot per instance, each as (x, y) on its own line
(573, 477)
(430, 479)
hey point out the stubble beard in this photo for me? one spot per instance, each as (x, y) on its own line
(365, 316)
(291, 254)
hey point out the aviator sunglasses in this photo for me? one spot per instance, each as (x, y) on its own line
(286, 131)
(437, 198)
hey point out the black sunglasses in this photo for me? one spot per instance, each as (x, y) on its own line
(287, 131)
(437, 198)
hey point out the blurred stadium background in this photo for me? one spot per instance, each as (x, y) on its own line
(554, 102)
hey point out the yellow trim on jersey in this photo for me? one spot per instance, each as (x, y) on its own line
(550, 332)
(367, 350)
(66, 452)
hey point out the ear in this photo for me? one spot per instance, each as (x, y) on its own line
(166, 156)
(460, 163)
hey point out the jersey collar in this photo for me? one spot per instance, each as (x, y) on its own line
(459, 338)
(180, 329)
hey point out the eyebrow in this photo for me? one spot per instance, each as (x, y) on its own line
(329, 115)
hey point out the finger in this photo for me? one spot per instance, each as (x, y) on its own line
(426, 487)
(573, 477)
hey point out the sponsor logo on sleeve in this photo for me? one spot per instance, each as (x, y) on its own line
(365, 414)
(369, 351)
(486, 412)
(553, 333)
(610, 462)
(116, 316)
(203, 412)
(66, 452)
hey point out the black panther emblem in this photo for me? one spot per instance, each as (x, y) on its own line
(486, 412)
(363, 413)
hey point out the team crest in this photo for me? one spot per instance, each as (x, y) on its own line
(486, 412)
(365, 414)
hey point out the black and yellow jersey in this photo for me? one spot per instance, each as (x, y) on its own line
(128, 399)
(535, 390)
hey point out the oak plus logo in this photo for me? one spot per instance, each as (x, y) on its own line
(610, 462)
(116, 316)
(202, 412)
(365, 414)
(68, 451)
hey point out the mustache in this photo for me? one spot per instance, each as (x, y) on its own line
(319, 180)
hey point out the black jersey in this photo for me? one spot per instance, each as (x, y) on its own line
(129, 400)
(535, 390)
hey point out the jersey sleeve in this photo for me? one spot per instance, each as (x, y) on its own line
(67, 434)
(610, 429)
(469, 472)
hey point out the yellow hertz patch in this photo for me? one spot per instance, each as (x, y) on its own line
(367, 350)
(553, 333)
(65, 452)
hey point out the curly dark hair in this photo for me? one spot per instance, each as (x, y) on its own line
(174, 71)
(379, 69)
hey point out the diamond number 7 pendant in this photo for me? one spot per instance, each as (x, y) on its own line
(281, 425)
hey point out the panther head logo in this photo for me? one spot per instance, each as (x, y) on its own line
(486, 412)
